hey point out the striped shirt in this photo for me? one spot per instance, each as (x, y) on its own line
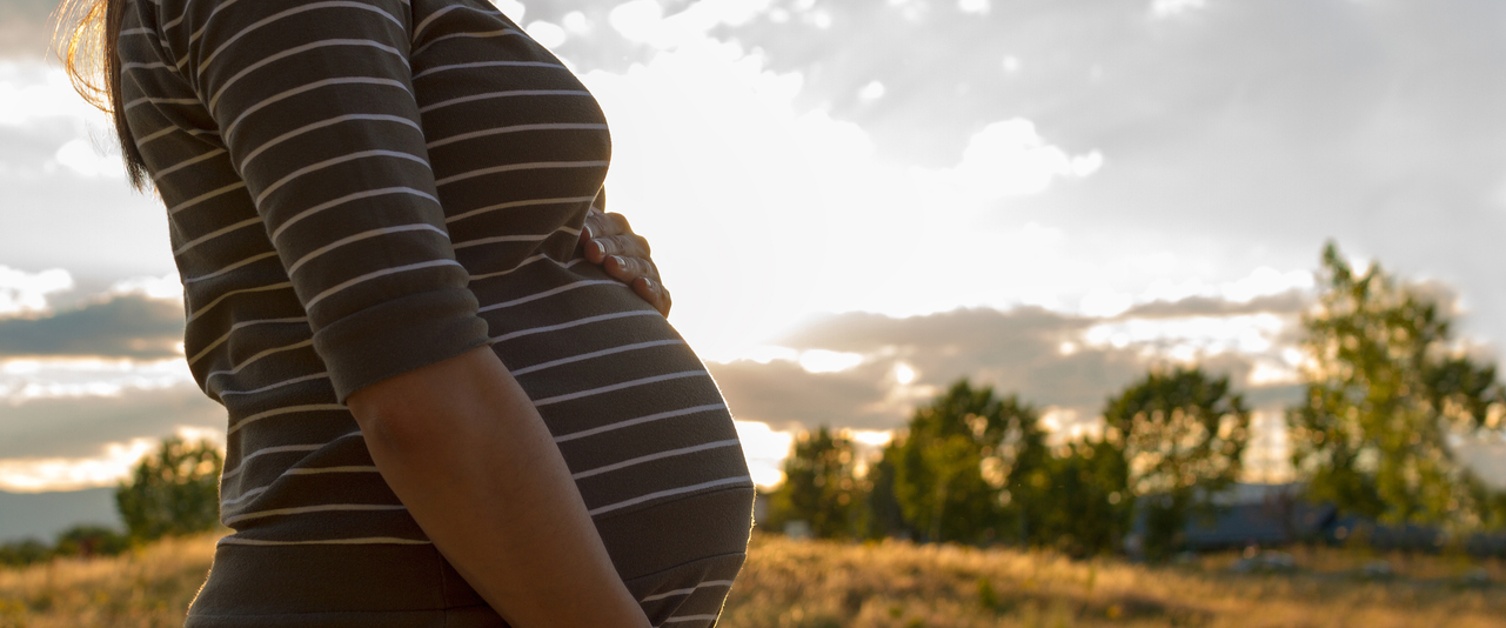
(358, 188)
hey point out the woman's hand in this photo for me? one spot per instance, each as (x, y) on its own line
(609, 241)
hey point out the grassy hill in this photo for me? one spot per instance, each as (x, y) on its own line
(813, 584)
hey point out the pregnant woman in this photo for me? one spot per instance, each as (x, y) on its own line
(440, 414)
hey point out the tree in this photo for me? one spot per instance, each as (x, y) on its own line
(88, 540)
(820, 487)
(1387, 390)
(1090, 512)
(173, 491)
(1182, 434)
(961, 471)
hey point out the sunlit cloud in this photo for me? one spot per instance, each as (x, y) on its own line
(113, 464)
(1009, 158)
(34, 475)
(26, 293)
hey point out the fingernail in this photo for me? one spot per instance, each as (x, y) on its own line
(648, 283)
(621, 263)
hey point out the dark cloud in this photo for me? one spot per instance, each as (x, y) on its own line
(80, 427)
(1016, 352)
(1291, 302)
(784, 395)
(127, 326)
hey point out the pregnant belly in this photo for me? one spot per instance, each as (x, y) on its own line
(634, 411)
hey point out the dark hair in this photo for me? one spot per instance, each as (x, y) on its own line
(86, 38)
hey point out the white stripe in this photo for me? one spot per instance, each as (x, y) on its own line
(313, 407)
(217, 233)
(575, 323)
(487, 64)
(512, 204)
(550, 292)
(368, 540)
(500, 239)
(669, 492)
(325, 43)
(277, 16)
(392, 270)
(705, 585)
(354, 196)
(526, 261)
(243, 496)
(668, 453)
(536, 165)
(363, 154)
(596, 354)
(136, 31)
(200, 311)
(268, 321)
(160, 101)
(683, 618)
(287, 382)
(143, 66)
(266, 451)
(283, 449)
(709, 584)
(301, 510)
(321, 124)
(157, 176)
(518, 128)
(504, 94)
(262, 354)
(204, 197)
(418, 30)
(364, 235)
(155, 135)
(250, 260)
(299, 471)
(323, 470)
(660, 416)
(504, 32)
(619, 386)
(308, 87)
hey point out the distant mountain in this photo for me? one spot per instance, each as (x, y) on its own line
(43, 515)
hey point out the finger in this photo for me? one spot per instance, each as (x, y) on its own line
(654, 293)
(626, 245)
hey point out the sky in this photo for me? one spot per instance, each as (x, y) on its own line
(856, 202)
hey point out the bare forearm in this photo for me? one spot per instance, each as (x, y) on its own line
(464, 448)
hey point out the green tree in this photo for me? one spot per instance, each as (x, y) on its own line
(1090, 510)
(91, 540)
(1387, 389)
(1182, 434)
(820, 487)
(173, 491)
(961, 470)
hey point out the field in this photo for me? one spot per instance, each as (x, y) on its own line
(789, 583)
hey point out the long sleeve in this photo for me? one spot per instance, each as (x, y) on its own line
(315, 105)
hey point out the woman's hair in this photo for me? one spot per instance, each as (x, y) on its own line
(86, 39)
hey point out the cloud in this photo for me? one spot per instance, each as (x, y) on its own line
(1050, 359)
(129, 325)
(24, 293)
(80, 427)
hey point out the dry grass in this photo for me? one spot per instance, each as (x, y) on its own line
(147, 587)
(790, 583)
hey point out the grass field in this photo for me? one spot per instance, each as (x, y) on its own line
(789, 583)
